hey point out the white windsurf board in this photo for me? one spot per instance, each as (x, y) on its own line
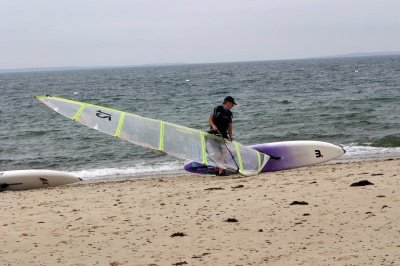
(31, 179)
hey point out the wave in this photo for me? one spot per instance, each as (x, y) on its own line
(157, 169)
(387, 141)
(357, 152)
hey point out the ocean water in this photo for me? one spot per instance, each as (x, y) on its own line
(353, 102)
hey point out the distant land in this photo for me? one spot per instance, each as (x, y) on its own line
(40, 69)
(365, 54)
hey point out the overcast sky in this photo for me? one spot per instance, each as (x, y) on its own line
(58, 33)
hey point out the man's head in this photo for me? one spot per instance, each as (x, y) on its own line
(229, 102)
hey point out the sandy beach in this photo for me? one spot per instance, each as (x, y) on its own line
(306, 216)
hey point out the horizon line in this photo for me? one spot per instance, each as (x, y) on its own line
(61, 68)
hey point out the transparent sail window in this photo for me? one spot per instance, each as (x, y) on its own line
(182, 142)
(249, 158)
(66, 108)
(141, 131)
(219, 155)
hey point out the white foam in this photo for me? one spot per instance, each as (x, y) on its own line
(355, 152)
(136, 170)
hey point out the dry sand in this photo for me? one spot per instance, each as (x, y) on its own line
(183, 220)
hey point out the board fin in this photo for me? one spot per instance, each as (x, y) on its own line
(6, 185)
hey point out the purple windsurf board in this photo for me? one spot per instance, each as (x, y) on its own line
(285, 155)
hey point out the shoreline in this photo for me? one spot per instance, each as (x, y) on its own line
(209, 220)
(182, 172)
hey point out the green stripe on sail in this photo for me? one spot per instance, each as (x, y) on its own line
(55, 97)
(121, 121)
(238, 156)
(79, 112)
(161, 147)
(203, 147)
(77, 102)
(64, 99)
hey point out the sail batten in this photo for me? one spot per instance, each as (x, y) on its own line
(78, 113)
(121, 122)
(161, 147)
(176, 140)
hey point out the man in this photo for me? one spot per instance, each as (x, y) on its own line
(220, 121)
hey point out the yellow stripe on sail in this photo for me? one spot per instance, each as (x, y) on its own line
(238, 156)
(121, 121)
(203, 147)
(161, 147)
(79, 112)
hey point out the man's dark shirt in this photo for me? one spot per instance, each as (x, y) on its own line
(222, 118)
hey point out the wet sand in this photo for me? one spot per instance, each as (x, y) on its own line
(306, 216)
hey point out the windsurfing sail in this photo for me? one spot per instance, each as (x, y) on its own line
(176, 140)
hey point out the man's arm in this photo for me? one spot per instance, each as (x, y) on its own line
(211, 122)
(230, 131)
